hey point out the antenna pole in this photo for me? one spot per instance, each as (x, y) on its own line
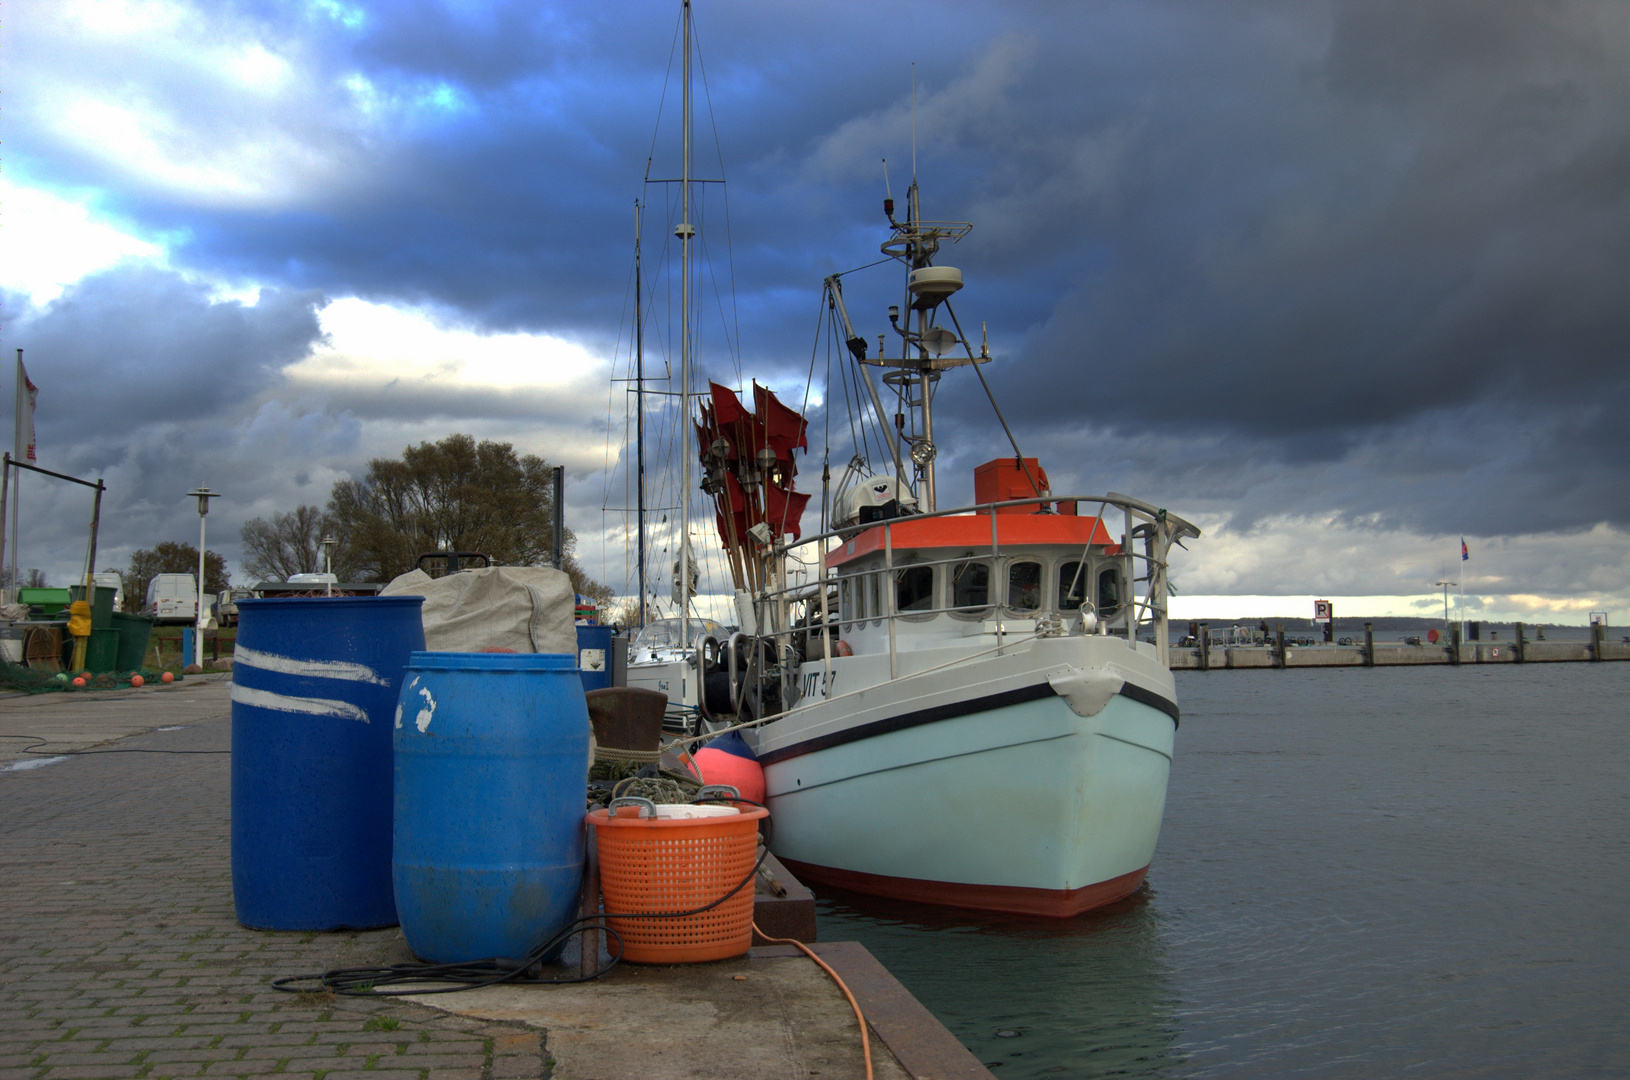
(685, 231)
(913, 125)
(639, 404)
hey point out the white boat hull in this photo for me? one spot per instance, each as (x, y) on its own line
(995, 794)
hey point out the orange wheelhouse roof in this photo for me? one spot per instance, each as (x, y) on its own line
(972, 531)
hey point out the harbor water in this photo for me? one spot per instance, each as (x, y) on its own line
(1362, 873)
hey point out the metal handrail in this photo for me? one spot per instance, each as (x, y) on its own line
(1135, 612)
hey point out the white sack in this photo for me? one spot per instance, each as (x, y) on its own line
(528, 609)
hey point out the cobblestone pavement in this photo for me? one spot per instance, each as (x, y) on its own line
(120, 956)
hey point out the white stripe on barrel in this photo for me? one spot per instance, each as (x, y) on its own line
(314, 669)
(265, 699)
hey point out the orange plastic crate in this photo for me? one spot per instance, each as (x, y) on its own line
(655, 865)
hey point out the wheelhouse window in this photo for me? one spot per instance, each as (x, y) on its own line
(1073, 582)
(914, 589)
(970, 585)
(1024, 586)
(874, 599)
(1109, 593)
(846, 600)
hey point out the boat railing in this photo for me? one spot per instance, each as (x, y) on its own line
(1147, 535)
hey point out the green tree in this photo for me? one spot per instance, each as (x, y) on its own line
(278, 547)
(452, 495)
(169, 557)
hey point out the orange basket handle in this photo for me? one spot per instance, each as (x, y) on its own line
(727, 790)
(632, 800)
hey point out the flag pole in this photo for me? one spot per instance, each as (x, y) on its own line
(5, 492)
(21, 451)
(1464, 557)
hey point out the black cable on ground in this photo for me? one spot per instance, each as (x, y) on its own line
(40, 740)
(366, 981)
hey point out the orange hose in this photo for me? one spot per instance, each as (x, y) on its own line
(865, 1038)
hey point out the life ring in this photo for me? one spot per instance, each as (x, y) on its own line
(842, 649)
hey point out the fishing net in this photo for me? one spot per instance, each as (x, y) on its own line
(17, 679)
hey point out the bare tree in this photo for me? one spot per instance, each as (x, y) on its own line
(283, 545)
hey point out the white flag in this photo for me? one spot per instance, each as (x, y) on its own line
(27, 394)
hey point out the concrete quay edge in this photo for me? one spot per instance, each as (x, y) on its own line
(122, 957)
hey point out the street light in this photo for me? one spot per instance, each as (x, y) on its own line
(329, 544)
(204, 495)
(1445, 585)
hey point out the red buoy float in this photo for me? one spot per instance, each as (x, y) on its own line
(729, 760)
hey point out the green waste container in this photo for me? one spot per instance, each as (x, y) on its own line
(102, 651)
(135, 632)
(101, 606)
(46, 601)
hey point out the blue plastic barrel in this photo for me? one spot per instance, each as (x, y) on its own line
(314, 689)
(594, 656)
(492, 755)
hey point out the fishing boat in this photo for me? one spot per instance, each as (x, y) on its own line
(968, 707)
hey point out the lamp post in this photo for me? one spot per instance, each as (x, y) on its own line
(1445, 586)
(204, 495)
(329, 544)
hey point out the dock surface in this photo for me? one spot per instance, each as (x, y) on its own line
(121, 957)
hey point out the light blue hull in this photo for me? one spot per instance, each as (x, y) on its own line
(1027, 796)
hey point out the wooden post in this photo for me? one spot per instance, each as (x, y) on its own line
(589, 907)
(1369, 644)
(1454, 644)
(1279, 645)
(1205, 646)
(1517, 657)
(1596, 637)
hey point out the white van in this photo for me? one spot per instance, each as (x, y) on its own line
(172, 598)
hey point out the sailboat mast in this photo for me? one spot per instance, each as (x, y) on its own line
(925, 384)
(685, 230)
(639, 402)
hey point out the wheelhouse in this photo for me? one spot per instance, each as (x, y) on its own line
(949, 575)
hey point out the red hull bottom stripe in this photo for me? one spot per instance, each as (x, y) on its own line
(1012, 899)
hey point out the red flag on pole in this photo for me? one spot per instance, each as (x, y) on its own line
(784, 427)
(27, 395)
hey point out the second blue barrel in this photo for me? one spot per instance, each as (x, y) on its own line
(314, 690)
(594, 656)
(492, 755)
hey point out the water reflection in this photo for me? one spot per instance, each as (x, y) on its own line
(1089, 996)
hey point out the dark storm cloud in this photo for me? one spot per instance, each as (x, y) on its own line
(1429, 211)
(147, 381)
(1362, 259)
(138, 343)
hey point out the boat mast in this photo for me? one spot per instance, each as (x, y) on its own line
(925, 372)
(684, 230)
(639, 404)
